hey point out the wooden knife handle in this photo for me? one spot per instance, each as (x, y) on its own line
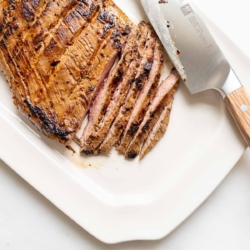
(238, 104)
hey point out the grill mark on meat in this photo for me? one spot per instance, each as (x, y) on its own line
(100, 64)
(163, 99)
(94, 132)
(43, 31)
(107, 20)
(44, 34)
(137, 85)
(81, 61)
(144, 98)
(121, 119)
(51, 55)
(48, 20)
(35, 3)
(27, 11)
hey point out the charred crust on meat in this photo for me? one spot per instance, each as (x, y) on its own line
(1, 27)
(85, 2)
(38, 38)
(54, 63)
(35, 3)
(117, 44)
(152, 114)
(118, 76)
(115, 34)
(12, 4)
(133, 129)
(106, 19)
(27, 11)
(11, 28)
(119, 126)
(132, 154)
(86, 13)
(49, 124)
(146, 126)
(126, 31)
(103, 16)
(138, 83)
(51, 46)
(88, 152)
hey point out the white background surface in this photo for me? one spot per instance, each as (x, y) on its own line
(29, 221)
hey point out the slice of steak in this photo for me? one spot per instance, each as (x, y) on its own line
(93, 134)
(137, 86)
(145, 97)
(120, 120)
(157, 112)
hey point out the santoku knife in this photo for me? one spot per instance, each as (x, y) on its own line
(197, 57)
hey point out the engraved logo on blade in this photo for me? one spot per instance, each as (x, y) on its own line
(186, 9)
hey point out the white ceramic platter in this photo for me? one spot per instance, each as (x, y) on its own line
(118, 200)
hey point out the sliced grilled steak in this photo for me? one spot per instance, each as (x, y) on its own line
(30, 91)
(158, 112)
(122, 117)
(78, 103)
(93, 134)
(137, 86)
(145, 98)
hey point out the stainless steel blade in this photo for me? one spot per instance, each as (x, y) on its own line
(183, 32)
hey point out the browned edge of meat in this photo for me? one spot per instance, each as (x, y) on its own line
(144, 98)
(92, 135)
(136, 68)
(162, 101)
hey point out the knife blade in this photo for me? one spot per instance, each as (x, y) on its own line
(197, 57)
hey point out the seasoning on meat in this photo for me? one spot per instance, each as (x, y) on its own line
(69, 59)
